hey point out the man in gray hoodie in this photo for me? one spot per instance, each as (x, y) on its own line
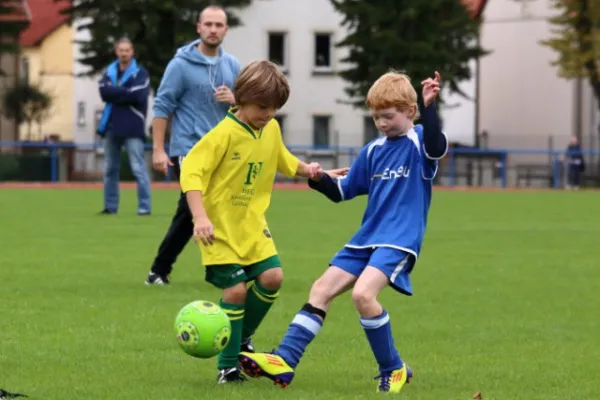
(196, 92)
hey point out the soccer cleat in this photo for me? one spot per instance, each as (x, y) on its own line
(392, 382)
(268, 365)
(230, 375)
(107, 212)
(7, 395)
(156, 279)
(247, 346)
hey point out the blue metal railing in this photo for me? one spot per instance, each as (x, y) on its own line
(500, 156)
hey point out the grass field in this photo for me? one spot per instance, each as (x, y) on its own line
(506, 300)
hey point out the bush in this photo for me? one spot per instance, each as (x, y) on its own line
(18, 167)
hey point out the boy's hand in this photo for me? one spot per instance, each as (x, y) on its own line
(334, 173)
(338, 172)
(314, 170)
(204, 231)
(431, 89)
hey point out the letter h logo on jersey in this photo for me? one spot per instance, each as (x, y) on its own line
(254, 170)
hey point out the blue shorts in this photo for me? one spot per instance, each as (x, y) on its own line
(395, 264)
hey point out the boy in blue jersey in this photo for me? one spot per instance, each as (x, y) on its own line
(396, 172)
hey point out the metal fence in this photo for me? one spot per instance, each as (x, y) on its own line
(501, 167)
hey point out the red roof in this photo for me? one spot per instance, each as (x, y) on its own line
(19, 11)
(45, 19)
(474, 7)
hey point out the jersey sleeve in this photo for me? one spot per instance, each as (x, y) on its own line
(356, 182)
(202, 160)
(434, 142)
(429, 164)
(287, 163)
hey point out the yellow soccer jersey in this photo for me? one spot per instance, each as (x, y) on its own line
(234, 167)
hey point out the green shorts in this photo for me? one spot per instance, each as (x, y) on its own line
(228, 275)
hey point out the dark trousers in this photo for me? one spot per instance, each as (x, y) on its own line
(179, 233)
(574, 178)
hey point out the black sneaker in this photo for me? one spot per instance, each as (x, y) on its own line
(247, 346)
(230, 375)
(156, 279)
(107, 212)
(7, 395)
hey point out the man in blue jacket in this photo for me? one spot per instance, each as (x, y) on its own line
(195, 92)
(124, 88)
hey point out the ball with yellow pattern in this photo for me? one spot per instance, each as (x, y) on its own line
(202, 328)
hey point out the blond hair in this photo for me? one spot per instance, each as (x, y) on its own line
(261, 82)
(393, 89)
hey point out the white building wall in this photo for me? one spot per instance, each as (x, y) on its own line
(310, 94)
(87, 98)
(523, 101)
(319, 94)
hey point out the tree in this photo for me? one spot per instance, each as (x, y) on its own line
(156, 27)
(26, 103)
(417, 37)
(12, 22)
(577, 41)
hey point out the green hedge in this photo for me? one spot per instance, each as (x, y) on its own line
(36, 167)
(20, 167)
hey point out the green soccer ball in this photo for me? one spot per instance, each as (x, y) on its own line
(203, 329)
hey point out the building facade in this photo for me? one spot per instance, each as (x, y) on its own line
(9, 67)
(522, 101)
(46, 60)
(87, 105)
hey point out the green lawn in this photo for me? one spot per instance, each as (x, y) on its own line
(506, 300)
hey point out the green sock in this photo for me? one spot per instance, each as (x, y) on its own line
(229, 356)
(258, 302)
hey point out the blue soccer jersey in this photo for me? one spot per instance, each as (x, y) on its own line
(397, 175)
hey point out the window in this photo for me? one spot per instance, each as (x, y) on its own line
(97, 118)
(81, 113)
(280, 118)
(277, 53)
(97, 138)
(370, 131)
(321, 131)
(25, 70)
(323, 51)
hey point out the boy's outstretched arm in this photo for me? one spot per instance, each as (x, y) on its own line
(325, 182)
(435, 141)
(344, 184)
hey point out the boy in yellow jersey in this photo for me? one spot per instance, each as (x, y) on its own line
(228, 179)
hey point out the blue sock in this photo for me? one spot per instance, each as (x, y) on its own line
(379, 334)
(300, 333)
